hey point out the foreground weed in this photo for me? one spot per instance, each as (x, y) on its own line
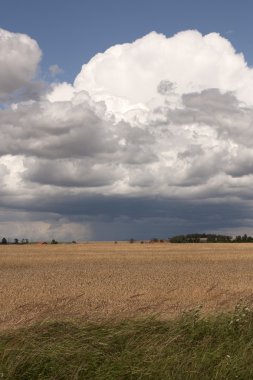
(189, 347)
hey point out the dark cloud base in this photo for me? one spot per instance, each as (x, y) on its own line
(120, 218)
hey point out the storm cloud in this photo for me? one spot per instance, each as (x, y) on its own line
(153, 137)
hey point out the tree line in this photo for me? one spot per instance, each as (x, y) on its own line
(26, 241)
(210, 238)
(16, 241)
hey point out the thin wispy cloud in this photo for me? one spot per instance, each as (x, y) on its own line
(55, 70)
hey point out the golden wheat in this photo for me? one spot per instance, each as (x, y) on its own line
(104, 280)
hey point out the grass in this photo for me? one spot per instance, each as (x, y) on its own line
(188, 347)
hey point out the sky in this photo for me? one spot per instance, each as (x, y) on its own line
(124, 120)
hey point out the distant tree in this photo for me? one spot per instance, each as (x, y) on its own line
(15, 241)
(73, 242)
(131, 240)
(244, 238)
(178, 239)
(4, 240)
(54, 242)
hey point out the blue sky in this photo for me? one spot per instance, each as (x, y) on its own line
(71, 32)
(152, 138)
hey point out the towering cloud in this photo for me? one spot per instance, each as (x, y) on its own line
(191, 61)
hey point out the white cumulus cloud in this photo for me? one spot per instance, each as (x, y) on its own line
(189, 60)
(19, 59)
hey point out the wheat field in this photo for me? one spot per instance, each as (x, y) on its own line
(98, 281)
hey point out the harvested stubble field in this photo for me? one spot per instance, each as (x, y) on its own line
(98, 281)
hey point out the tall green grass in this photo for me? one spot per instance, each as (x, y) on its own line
(189, 347)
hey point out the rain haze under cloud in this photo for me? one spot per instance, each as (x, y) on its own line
(153, 138)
